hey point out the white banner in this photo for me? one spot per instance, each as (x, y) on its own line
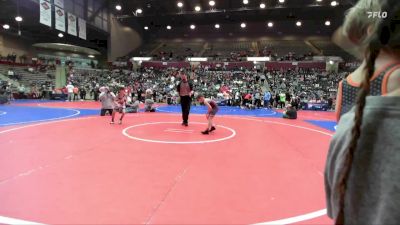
(72, 24)
(82, 28)
(59, 3)
(60, 19)
(45, 13)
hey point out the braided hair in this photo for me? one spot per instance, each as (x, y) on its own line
(386, 36)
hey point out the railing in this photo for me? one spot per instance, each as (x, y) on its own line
(273, 65)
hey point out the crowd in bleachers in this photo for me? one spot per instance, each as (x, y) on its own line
(245, 88)
(237, 87)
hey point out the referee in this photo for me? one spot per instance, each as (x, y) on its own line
(185, 90)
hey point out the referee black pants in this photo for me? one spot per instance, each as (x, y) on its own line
(186, 101)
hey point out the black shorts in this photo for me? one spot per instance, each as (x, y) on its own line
(103, 112)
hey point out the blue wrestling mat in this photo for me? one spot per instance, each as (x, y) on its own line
(16, 115)
(223, 110)
(328, 125)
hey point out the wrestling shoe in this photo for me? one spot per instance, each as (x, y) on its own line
(212, 128)
(205, 132)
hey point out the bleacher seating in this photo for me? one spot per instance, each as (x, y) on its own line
(328, 48)
(283, 47)
(146, 49)
(28, 78)
(221, 49)
(181, 49)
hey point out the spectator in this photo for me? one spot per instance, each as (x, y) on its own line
(21, 91)
(70, 91)
(267, 98)
(282, 100)
(82, 93)
(76, 93)
(290, 112)
(107, 99)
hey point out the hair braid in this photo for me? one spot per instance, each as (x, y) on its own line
(372, 54)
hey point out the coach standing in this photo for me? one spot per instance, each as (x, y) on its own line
(185, 90)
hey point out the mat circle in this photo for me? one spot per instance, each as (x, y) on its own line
(125, 133)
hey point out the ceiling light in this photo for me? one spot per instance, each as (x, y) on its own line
(298, 23)
(334, 3)
(169, 27)
(243, 25)
(91, 56)
(146, 27)
(319, 0)
(245, 2)
(139, 11)
(327, 23)
(192, 26)
(60, 35)
(217, 26)
(331, 62)
(118, 7)
(262, 5)
(197, 8)
(180, 4)
(6, 26)
(18, 19)
(270, 24)
(211, 3)
(281, 1)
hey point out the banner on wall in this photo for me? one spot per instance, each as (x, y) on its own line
(59, 3)
(45, 13)
(60, 19)
(72, 24)
(82, 28)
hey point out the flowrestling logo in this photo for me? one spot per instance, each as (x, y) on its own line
(378, 14)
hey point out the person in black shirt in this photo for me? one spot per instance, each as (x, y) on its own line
(83, 93)
(139, 93)
(290, 112)
(288, 97)
(185, 90)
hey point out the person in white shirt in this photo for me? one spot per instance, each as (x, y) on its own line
(70, 89)
(107, 99)
(21, 91)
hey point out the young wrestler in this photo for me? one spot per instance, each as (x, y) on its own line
(212, 111)
(120, 105)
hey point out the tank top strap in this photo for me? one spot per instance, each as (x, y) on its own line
(386, 76)
(379, 82)
(378, 86)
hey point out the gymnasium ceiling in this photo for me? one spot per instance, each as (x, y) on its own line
(34, 32)
(157, 14)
